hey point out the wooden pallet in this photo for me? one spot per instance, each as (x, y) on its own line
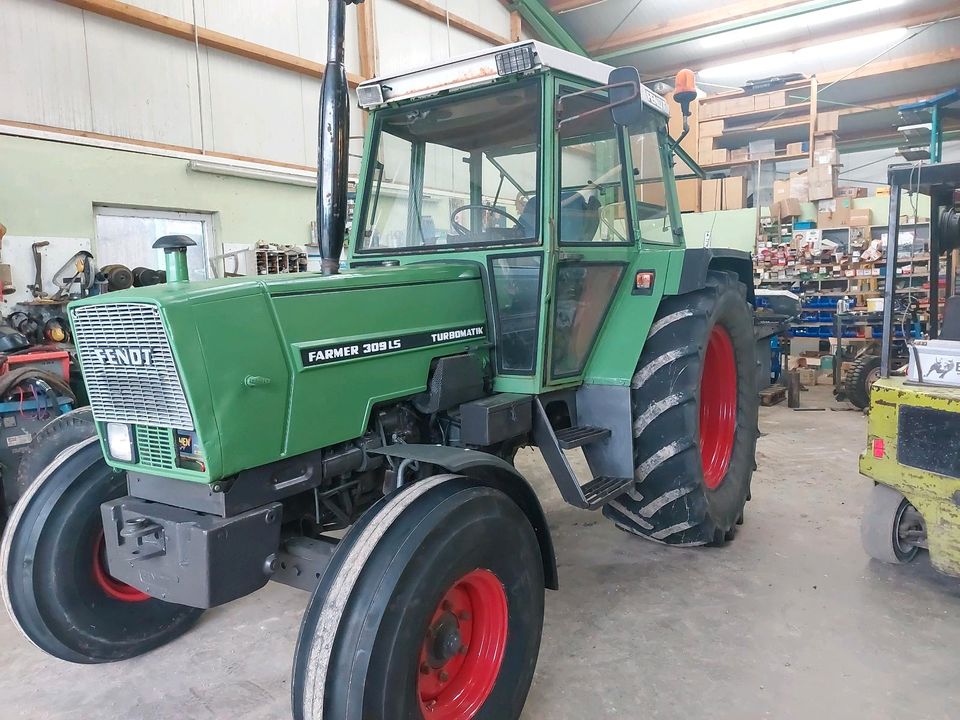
(773, 395)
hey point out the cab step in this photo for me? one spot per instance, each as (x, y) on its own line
(574, 437)
(598, 491)
(591, 495)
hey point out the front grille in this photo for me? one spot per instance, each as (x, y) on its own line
(155, 447)
(128, 367)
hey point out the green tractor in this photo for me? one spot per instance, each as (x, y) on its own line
(515, 275)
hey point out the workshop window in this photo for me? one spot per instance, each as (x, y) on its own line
(125, 236)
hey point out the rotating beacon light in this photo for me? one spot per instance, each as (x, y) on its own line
(685, 92)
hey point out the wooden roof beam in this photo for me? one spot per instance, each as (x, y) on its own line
(173, 27)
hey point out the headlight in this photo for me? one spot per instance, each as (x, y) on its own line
(120, 441)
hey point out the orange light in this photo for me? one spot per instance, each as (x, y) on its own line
(644, 280)
(685, 82)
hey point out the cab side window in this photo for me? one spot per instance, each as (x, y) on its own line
(591, 206)
(653, 215)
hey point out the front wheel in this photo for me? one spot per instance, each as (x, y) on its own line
(432, 607)
(55, 581)
(695, 406)
(890, 527)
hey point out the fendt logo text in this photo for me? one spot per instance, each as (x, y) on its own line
(124, 357)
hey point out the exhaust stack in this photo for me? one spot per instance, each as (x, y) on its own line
(334, 133)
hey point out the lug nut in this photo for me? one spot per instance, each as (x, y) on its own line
(465, 616)
(424, 669)
(444, 676)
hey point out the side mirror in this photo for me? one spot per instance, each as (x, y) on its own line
(626, 107)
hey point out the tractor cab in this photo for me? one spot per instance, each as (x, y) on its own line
(513, 159)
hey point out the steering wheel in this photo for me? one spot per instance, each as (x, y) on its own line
(461, 230)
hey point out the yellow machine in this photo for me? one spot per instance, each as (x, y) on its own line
(913, 433)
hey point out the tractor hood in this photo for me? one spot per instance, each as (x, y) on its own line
(214, 377)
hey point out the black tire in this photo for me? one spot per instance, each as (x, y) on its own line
(359, 650)
(53, 581)
(887, 515)
(691, 486)
(860, 378)
(52, 439)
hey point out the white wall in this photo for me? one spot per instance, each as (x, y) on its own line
(66, 68)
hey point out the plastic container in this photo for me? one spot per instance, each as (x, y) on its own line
(56, 362)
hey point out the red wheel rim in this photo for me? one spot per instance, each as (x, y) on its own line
(718, 407)
(463, 648)
(110, 585)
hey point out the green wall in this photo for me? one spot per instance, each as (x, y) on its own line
(49, 189)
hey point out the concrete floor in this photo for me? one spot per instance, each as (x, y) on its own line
(790, 621)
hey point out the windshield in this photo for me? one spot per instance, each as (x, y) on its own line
(460, 171)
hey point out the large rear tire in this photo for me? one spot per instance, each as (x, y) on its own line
(55, 582)
(431, 607)
(860, 378)
(695, 408)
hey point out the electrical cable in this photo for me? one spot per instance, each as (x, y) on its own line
(626, 17)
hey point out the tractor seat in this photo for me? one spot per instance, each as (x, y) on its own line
(579, 218)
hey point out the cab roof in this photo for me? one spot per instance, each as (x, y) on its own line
(486, 66)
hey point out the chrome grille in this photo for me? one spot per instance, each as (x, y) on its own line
(113, 341)
(155, 447)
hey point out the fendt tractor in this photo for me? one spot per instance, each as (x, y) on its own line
(515, 276)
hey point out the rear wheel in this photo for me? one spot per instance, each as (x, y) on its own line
(861, 376)
(890, 527)
(695, 407)
(432, 607)
(55, 581)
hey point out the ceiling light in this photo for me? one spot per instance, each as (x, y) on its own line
(781, 63)
(813, 19)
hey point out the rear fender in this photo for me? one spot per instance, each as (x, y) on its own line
(493, 472)
(698, 261)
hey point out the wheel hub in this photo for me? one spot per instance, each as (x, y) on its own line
(718, 407)
(463, 648)
(106, 582)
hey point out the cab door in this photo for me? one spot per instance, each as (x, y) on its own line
(592, 225)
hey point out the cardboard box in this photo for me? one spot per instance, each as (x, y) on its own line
(860, 218)
(688, 195)
(851, 191)
(822, 181)
(781, 190)
(760, 149)
(800, 186)
(704, 147)
(824, 141)
(761, 102)
(838, 218)
(826, 157)
(828, 122)
(711, 195)
(740, 155)
(777, 99)
(734, 193)
(883, 191)
(720, 156)
(807, 377)
(797, 148)
(711, 128)
(788, 208)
